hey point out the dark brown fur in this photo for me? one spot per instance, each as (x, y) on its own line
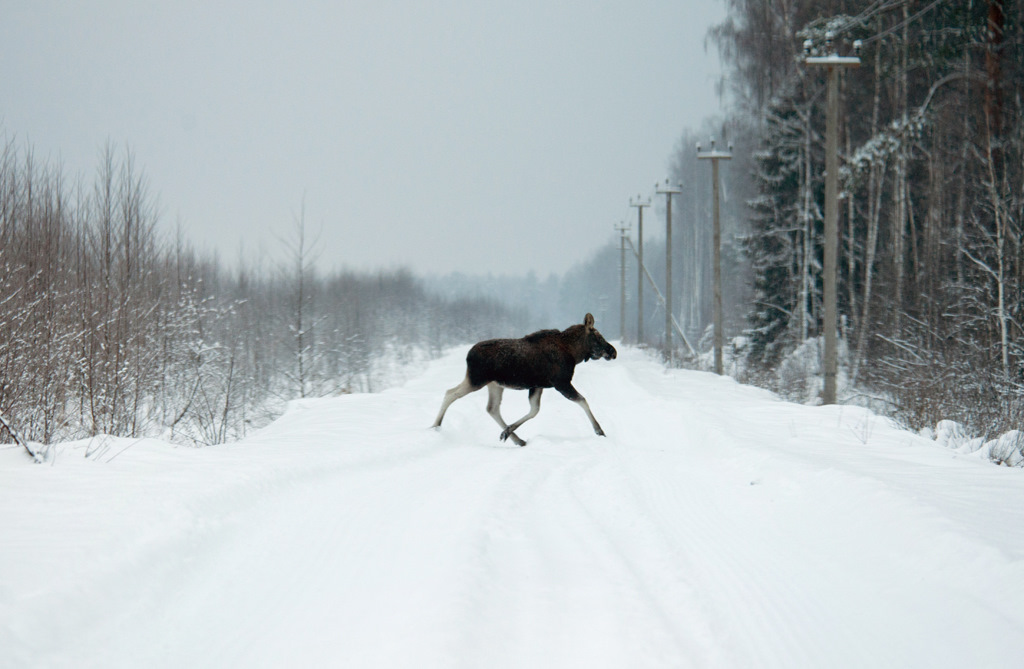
(544, 359)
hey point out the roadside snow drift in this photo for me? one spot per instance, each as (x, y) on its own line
(716, 526)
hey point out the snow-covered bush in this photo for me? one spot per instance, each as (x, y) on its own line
(1006, 449)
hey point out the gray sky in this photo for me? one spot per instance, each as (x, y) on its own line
(442, 135)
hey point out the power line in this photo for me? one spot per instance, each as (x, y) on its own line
(879, 7)
(905, 22)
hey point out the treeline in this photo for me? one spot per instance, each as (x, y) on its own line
(932, 177)
(110, 326)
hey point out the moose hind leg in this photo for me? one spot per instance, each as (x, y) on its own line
(534, 409)
(573, 395)
(494, 393)
(453, 394)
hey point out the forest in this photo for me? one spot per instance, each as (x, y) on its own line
(109, 325)
(931, 148)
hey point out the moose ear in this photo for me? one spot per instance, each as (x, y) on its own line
(589, 320)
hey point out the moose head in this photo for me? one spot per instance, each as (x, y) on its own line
(596, 346)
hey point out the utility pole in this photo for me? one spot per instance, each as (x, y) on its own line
(832, 64)
(668, 191)
(640, 204)
(623, 229)
(716, 242)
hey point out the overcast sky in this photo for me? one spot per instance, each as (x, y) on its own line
(441, 135)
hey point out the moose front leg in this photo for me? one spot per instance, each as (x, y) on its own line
(573, 395)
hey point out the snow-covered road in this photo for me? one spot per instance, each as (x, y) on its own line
(715, 526)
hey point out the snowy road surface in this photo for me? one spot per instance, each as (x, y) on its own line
(715, 526)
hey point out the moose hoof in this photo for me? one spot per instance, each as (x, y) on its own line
(509, 434)
(599, 432)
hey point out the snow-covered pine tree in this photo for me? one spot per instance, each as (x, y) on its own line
(783, 242)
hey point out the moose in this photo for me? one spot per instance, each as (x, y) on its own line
(544, 359)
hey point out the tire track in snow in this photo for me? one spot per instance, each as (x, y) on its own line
(509, 583)
(689, 486)
(554, 556)
(734, 590)
(631, 532)
(192, 581)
